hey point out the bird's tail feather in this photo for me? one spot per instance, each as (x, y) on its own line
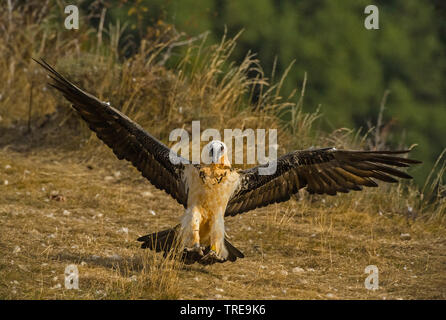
(233, 252)
(166, 240)
(160, 241)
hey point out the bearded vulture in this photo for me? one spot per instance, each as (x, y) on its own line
(209, 193)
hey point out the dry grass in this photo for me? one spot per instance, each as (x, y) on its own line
(105, 206)
(65, 199)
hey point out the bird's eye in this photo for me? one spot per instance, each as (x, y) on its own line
(222, 148)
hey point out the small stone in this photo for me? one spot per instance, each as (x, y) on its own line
(218, 296)
(405, 236)
(153, 213)
(219, 289)
(16, 250)
(7, 167)
(6, 182)
(284, 273)
(298, 270)
(66, 213)
(147, 194)
(56, 196)
(117, 174)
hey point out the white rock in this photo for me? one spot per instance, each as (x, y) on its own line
(66, 213)
(284, 272)
(219, 289)
(147, 194)
(298, 270)
(124, 230)
(16, 250)
(405, 236)
(153, 213)
(117, 174)
(218, 296)
(7, 167)
(6, 182)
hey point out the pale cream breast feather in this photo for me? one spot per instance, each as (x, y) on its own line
(210, 187)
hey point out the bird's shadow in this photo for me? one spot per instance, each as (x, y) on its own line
(122, 264)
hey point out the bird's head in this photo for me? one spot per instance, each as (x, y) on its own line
(216, 152)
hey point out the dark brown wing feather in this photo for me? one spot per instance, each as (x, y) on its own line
(321, 171)
(126, 138)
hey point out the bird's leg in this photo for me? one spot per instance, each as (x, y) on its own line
(218, 251)
(191, 236)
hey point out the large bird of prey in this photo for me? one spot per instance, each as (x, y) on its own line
(209, 193)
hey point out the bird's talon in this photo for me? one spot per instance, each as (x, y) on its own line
(193, 254)
(210, 258)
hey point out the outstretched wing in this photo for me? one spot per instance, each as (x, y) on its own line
(322, 171)
(125, 137)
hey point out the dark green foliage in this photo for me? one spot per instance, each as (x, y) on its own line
(348, 67)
